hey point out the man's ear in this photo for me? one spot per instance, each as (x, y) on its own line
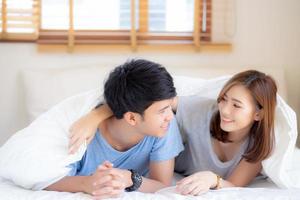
(131, 118)
(258, 115)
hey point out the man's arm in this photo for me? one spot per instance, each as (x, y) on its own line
(162, 160)
(104, 183)
(160, 176)
(71, 184)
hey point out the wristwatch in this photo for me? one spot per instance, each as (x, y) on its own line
(136, 180)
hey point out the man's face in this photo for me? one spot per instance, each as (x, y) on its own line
(156, 119)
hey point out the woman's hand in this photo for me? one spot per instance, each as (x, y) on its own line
(197, 184)
(83, 130)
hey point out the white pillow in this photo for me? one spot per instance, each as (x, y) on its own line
(279, 166)
(37, 155)
(46, 87)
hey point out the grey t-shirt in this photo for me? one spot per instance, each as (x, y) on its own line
(193, 116)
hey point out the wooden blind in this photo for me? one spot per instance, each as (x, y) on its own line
(141, 22)
(138, 32)
(20, 20)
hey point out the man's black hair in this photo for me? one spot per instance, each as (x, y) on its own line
(135, 85)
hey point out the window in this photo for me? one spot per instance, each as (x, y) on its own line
(131, 22)
(19, 19)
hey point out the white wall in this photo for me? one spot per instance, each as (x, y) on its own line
(267, 36)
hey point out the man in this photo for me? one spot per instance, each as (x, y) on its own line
(141, 139)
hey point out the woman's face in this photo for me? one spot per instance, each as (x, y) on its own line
(237, 110)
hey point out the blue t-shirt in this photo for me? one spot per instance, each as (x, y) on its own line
(137, 157)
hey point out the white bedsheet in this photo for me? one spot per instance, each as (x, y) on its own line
(9, 191)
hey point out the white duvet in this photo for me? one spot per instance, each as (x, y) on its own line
(9, 191)
(37, 155)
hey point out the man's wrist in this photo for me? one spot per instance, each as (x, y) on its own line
(84, 184)
(136, 181)
(128, 178)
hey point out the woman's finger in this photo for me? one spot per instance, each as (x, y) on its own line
(72, 138)
(76, 144)
(185, 181)
(199, 189)
(189, 188)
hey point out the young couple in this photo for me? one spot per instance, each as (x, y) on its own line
(134, 138)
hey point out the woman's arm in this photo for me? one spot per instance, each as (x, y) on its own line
(243, 174)
(201, 182)
(85, 128)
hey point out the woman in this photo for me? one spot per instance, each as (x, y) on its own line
(225, 141)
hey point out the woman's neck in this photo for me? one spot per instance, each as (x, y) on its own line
(239, 136)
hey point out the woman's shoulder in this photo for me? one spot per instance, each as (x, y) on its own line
(195, 107)
(196, 101)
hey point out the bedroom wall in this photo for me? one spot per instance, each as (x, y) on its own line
(267, 37)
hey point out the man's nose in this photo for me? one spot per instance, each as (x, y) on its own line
(170, 115)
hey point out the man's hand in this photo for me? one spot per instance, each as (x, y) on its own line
(124, 174)
(106, 182)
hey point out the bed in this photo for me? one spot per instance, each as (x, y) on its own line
(260, 189)
(44, 88)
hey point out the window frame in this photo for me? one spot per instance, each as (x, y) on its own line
(133, 38)
(20, 36)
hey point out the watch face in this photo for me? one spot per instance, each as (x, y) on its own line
(136, 180)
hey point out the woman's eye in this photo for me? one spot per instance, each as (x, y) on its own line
(236, 106)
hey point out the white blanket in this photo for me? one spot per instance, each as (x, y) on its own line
(37, 155)
(9, 191)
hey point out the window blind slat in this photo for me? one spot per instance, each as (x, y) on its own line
(71, 37)
(3, 20)
(143, 16)
(133, 39)
(33, 19)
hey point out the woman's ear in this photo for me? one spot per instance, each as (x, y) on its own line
(130, 118)
(258, 115)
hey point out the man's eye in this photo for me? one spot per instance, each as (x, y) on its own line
(163, 111)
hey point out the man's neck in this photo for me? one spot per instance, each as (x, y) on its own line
(119, 134)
